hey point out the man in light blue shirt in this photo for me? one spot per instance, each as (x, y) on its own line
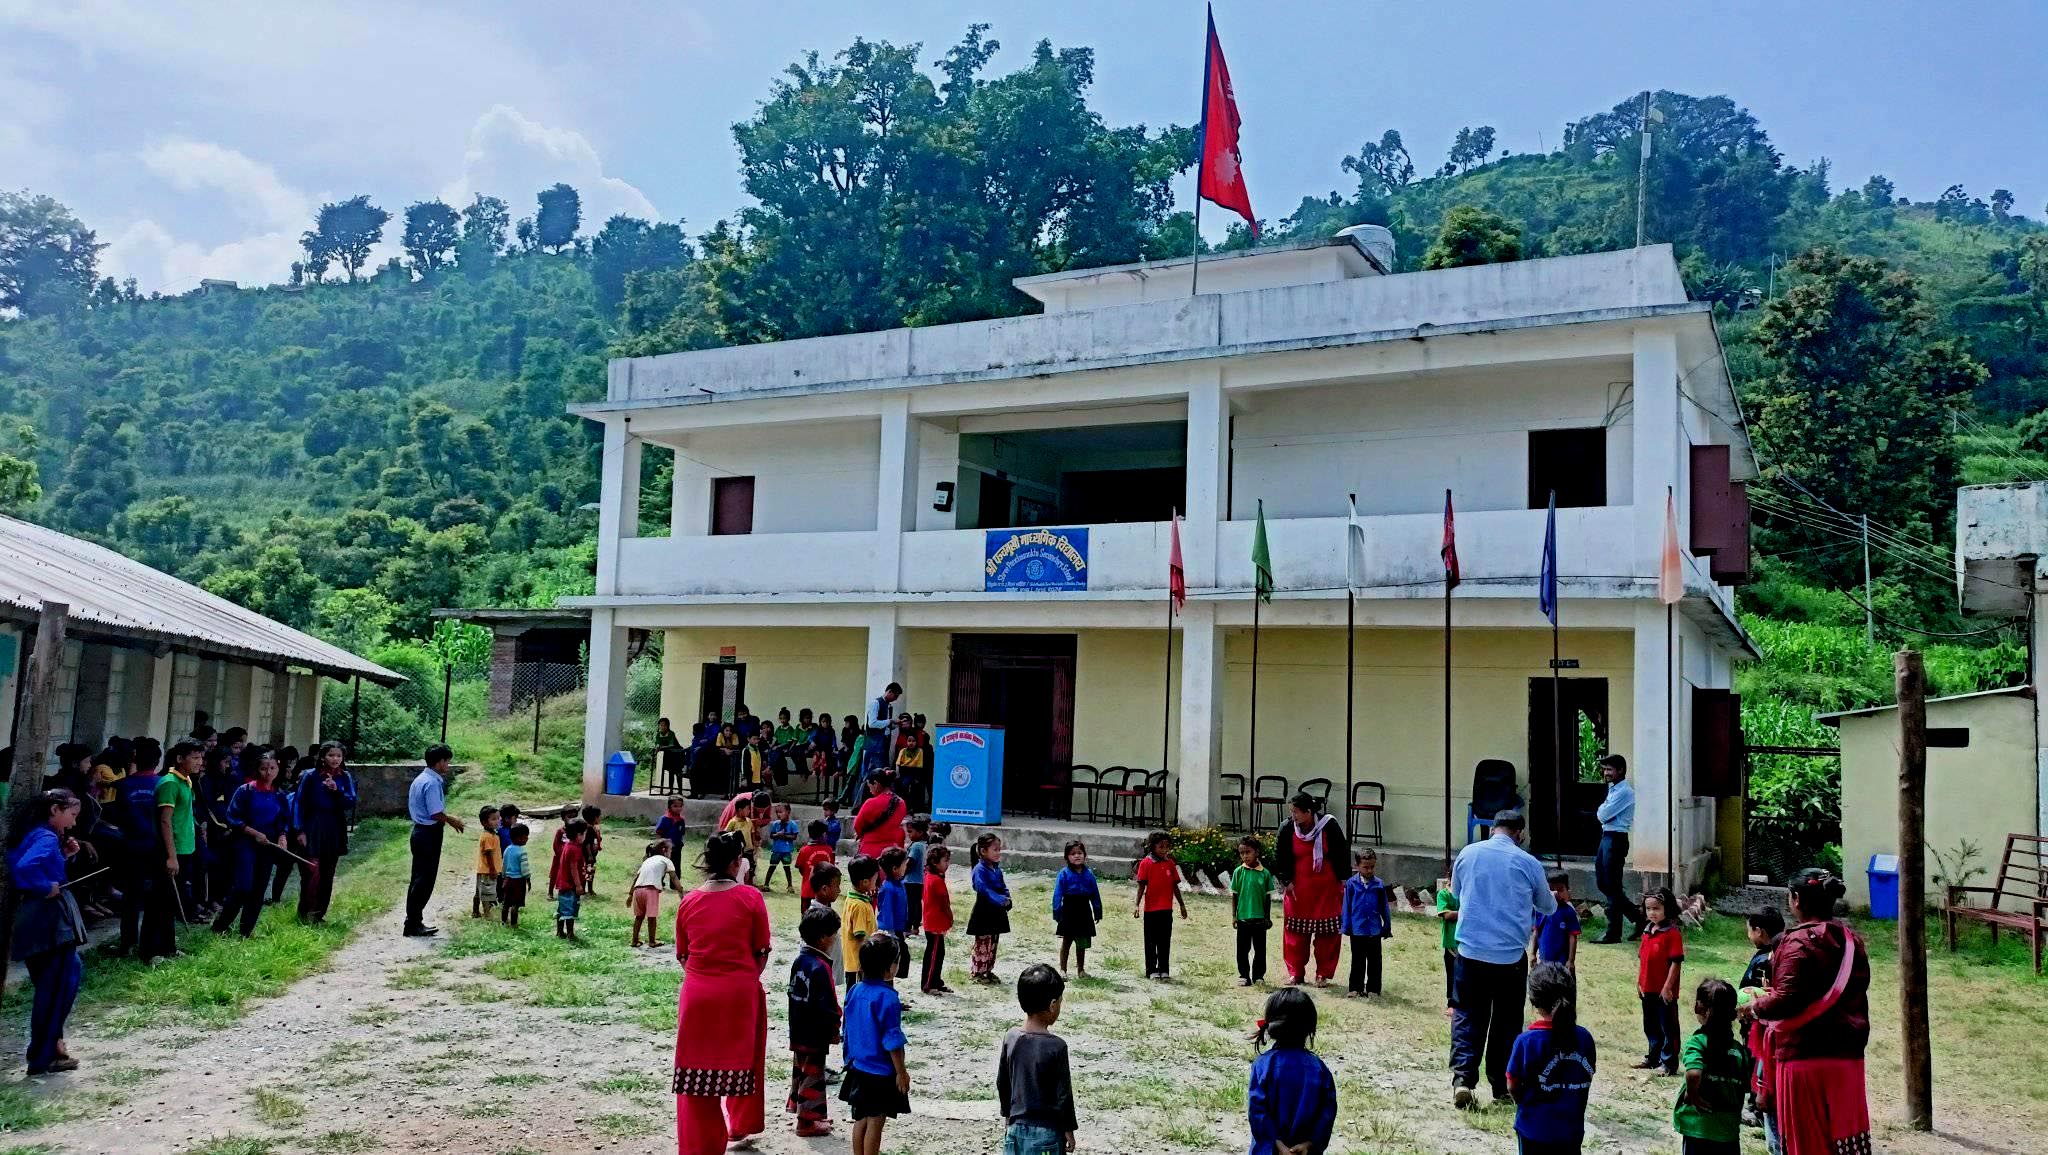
(1617, 816)
(426, 803)
(1501, 891)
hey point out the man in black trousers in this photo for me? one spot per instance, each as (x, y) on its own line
(1617, 815)
(426, 803)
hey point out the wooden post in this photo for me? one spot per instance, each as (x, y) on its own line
(1915, 1056)
(45, 673)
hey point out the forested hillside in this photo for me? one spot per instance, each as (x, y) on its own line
(351, 447)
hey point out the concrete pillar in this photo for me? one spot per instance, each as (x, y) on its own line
(1208, 476)
(1650, 842)
(311, 689)
(13, 659)
(896, 490)
(256, 706)
(618, 503)
(1201, 711)
(1654, 418)
(280, 706)
(2040, 658)
(162, 676)
(889, 661)
(604, 715)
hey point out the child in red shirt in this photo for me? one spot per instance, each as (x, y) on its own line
(1158, 890)
(1659, 960)
(818, 849)
(938, 920)
(565, 878)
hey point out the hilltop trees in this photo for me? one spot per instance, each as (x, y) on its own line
(1473, 236)
(484, 226)
(559, 216)
(48, 259)
(432, 232)
(344, 232)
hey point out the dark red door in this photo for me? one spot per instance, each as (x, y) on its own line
(732, 505)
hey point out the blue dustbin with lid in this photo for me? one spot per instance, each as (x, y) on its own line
(1884, 885)
(619, 770)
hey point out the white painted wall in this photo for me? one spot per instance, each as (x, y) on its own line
(1233, 274)
(807, 478)
(1400, 444)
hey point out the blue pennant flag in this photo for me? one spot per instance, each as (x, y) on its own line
(1546, 579)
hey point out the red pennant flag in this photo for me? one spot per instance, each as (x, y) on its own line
(1670, 577)
(1450, 550)
(1176, 573)
(1222, 176)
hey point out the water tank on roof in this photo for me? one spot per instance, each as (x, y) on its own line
(1376, 241)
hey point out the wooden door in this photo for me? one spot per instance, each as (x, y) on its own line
(732, 505)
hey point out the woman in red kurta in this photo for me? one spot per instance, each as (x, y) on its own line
(879, 824)
(1310, 859)
(722, 1014)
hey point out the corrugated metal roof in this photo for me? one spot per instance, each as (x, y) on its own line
(115, 596)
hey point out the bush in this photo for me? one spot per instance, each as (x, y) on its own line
(643, 691)
(387, 731)
(1212, 847)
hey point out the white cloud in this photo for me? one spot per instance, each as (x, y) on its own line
(159, 261)
(510, 155)
(251, 186)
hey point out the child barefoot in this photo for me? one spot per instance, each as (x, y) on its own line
(1708, 1115)
(593, 841)
(877, 1084)
(1550, 1069)
(1076, 907)
(1251, 890)
(1293, 1098)
(1368, 918)
(990, 919)
(565, 881)
(518, 876)
(938, 920)
(1034, 1082)
(813, 1020)
(782, 835)
(1661, 957)
(1158, 890)
(490, 863)
(672, 827)
(1447, 914)
(657, 873)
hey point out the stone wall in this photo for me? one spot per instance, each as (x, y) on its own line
(380, 788)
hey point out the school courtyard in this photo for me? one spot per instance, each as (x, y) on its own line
(351, 1039)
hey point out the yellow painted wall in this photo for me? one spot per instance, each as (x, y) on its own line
(1118, 678)
(1399, 710)
(1981, 792)
(819, 668)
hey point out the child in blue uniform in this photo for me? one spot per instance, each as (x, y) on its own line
(892, 905)
(1292, 1096)
(1368, 918)
(782, 836)
(1076, 907)
(253, 838)
(1550, 1070)
(876, 1088)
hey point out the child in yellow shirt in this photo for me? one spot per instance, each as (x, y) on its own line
(490, 863)
(866, 876)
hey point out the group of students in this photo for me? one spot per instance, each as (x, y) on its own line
(723, 759)
(504, 871)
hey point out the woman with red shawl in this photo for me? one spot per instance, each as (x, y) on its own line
(1310, 859)
(879, 824)
(722, 1014)
(1816, 1024)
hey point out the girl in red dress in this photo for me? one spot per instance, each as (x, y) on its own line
(722, 942)
(1309, 859)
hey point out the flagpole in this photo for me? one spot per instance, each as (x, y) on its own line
(1670, 715)
(1350, 655)
(1557, 709)
(1166, 706)
(1201, 156)
(1254, 771)
(1448, 583)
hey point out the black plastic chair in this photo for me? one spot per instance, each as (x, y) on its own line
(1144, 794)
(1493, 790)
(1376, 807)
(1102, 795)
(1318, 789)
(1235, 801)
(1269, 790)
(1081, 777)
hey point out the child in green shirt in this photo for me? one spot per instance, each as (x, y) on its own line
(1447, 914)
(1251, 889)
(1708, 1114)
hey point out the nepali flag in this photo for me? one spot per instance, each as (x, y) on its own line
(1221, 182)
(1450, 550)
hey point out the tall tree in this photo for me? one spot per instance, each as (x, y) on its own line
(1473, 236)
(485, 224)
(345, 232)
(432, 231)
(628, 245)
(559, 216)
(48, 259)
(19, 488)
(1472, 147)
(1382, 166)
(99, 481)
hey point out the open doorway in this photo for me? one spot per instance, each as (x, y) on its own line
(1086, 475)
(1025, 684)
(724, 688)
(1582, 709)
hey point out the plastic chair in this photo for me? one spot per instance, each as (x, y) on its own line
(1075, 782)
(1493, 790)
(1377, 807)
(1318, 789)
(1102, 802)
(1235, 802)
(1052, 790)
(1269, 790)
(1129, 800)
(1147, 798)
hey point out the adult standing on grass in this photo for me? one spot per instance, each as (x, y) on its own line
(1617, 815)
(722, 942)
(426, 803)
(1501, 891)
(320, 815)
(879, 822)
(1310, 859)
(48, 930)
(1816, 1016)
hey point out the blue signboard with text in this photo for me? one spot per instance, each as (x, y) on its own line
(1038, 558)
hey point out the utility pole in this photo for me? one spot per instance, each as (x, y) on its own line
(1643, 170)
(1869, 615)
(1916, 1057)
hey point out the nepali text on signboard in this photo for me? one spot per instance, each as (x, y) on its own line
(1035, 559)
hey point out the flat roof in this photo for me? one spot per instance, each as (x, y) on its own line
(1838, 715)
(116, 598)
(1366, 259)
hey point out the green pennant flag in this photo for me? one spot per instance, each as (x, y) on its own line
(1262, 558)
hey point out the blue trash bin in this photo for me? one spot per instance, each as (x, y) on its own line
(619, 770)
(1884, 885)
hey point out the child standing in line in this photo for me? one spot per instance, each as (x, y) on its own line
(1251, 894)
(490, 863)
(1158, 890)
(782, 836)
(937, 921)
(657, 873)
(989, 921)
(1766, 928)
(892, 905)
(1447, 915)
(1034, 1081)
(518, 876)
(1368, 918)
(1556, 939)
(593, 841)
(860, 923)
(1293, 1098)
(565, 881)
(813, 1020)
(877, 1084)
(817, 850)
(671, 828)
(919, 829)
(1708, 1114)
(1660, 958)
(825, 884)
(833, 829)
(1076, 907)
(1550, 1069)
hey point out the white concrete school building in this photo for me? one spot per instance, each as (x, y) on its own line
(980, 512)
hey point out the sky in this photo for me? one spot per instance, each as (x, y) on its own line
(200, 138)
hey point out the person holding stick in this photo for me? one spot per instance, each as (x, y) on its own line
(320, 817)
(170, 854)
(254, 839)
(48, 930)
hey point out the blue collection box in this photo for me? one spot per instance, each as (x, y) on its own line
(967, 777)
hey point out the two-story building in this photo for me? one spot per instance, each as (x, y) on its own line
(850, 511)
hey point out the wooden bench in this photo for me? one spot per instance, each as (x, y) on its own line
(2022, 879)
